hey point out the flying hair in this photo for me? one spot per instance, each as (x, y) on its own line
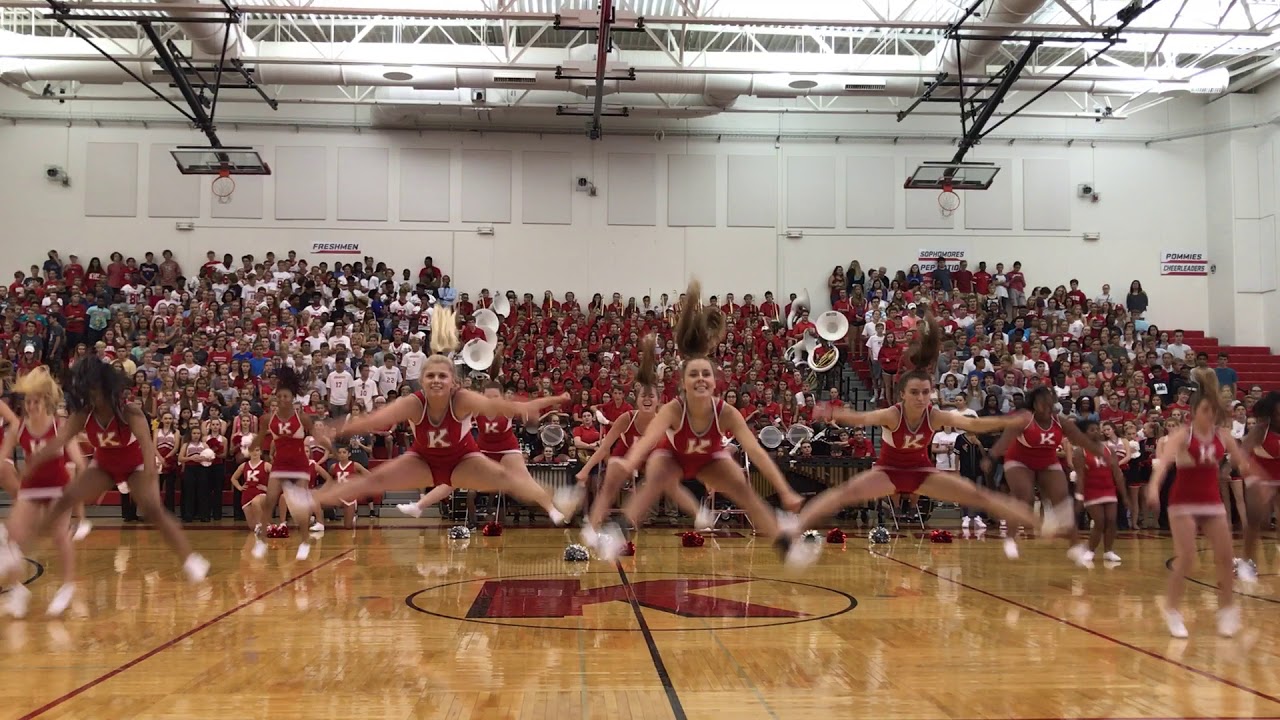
(91, 377)
(1265, 408)
(923, 352)
(1207, 390)
(647, 374)
(698, 328)
(444, 331)
(40, 384)
(289, 379)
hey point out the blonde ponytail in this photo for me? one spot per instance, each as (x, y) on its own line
(444, 331)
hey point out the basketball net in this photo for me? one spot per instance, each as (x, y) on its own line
(948, 200)
(223, 186)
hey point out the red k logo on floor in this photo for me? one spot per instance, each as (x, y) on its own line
(602, 601)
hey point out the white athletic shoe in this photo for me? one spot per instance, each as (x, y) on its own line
(964, 523)
(1111, 557)
(82, 530)
(590, 537)
(788, 524)
(1080, 555)
(1245, 571)
(1058, 520)
(1011, 548)
(1229, 620)
(568, 499)
(557, 517)
(977, 523)
(61, 600)
(304, 551)
(610, 542)
(259, 550)
(196, 567)
(706, 519)
(257, 529)
(18, 601)
(410, 509)
(317, 528)
(1173, 620)
(802, 554)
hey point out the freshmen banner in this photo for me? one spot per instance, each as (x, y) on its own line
(1183, 263)
(928, 259)
(335, 248)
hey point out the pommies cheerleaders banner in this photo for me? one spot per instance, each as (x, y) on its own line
(1183, 263)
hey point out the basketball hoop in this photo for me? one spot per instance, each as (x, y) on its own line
(223, 186)
(948, 200)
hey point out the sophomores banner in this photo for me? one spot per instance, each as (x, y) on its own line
(1183, 263)
(928, 259)
(335, 248)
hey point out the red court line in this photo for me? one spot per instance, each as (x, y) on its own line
(174, 641)
(1091, 631)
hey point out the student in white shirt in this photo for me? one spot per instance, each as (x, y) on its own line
(389, 375)
(412, 362)
(944, 446)
(339, 385)
(365, 389)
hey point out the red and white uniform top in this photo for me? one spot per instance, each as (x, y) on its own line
(47, 480)
(630, 434)
(166, 440)
(1098, 484)
(1267, 455)
(1195, 482)
(1036, 447)
(903, 447)
(694, 449)
(288, 447)
(496, 435)
(115, 449)
(255, 476)
(446, 441)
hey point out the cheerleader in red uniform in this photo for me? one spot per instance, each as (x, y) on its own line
(1194, 453)
(8, 481)
(444, 452)
(904, 465)
(1101, 487)
(42, 483)
(1031, 457)
(251, 480)
(698, 453)
(625, 432)
(286, 431)
(123, 453)
(344, 469)
(1263, 445)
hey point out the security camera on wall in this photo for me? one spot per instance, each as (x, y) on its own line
(55, 173)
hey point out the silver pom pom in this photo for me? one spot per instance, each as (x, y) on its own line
(812, 536)
(459, 532)
(576, 553)
(879, 535)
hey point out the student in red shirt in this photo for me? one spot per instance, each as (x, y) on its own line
(982, 280)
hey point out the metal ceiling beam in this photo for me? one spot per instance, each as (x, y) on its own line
(604, 43)
(861, 23)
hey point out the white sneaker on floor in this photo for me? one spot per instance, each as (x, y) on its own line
(1080, 555)
(590, 536)
(304, 551)
(706, 519)
(788, 523)
(82, 530)
(410, 509)
(1229, 620)
(964, 523)
(977, 523)
(259, 550)
(1245, 571)
(317, 528)
(1173, 620)
(61, 600)
(610, 542)
(196, 567)
(18, 601)
(557, 517)
(1011, 548)
(1110, 556)
(257, 529)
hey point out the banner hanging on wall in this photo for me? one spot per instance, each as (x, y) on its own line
(1183, 263)
(335, 248)
(928, 259)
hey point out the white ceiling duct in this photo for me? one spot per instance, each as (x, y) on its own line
(208, 38)
(969, 58)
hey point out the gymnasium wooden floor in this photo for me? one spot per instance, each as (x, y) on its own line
(398, 622)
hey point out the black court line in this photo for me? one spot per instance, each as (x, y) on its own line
(660, 667)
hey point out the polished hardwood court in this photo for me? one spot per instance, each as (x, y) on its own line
(395, 620)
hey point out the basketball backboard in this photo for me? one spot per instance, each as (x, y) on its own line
(953, 176)
(218, 161)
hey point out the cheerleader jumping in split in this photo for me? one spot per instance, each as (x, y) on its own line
(1263, 445)
(124, 453)
(625, 432)
(686, 440)
(1102, 488)
(904, 465)
(444, 452)
(42, 483)
(1193, 454)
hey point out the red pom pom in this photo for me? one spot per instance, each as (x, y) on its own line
(629, 549)
(940, 536)
(692, 539)
(835, 536)
(491, 529)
